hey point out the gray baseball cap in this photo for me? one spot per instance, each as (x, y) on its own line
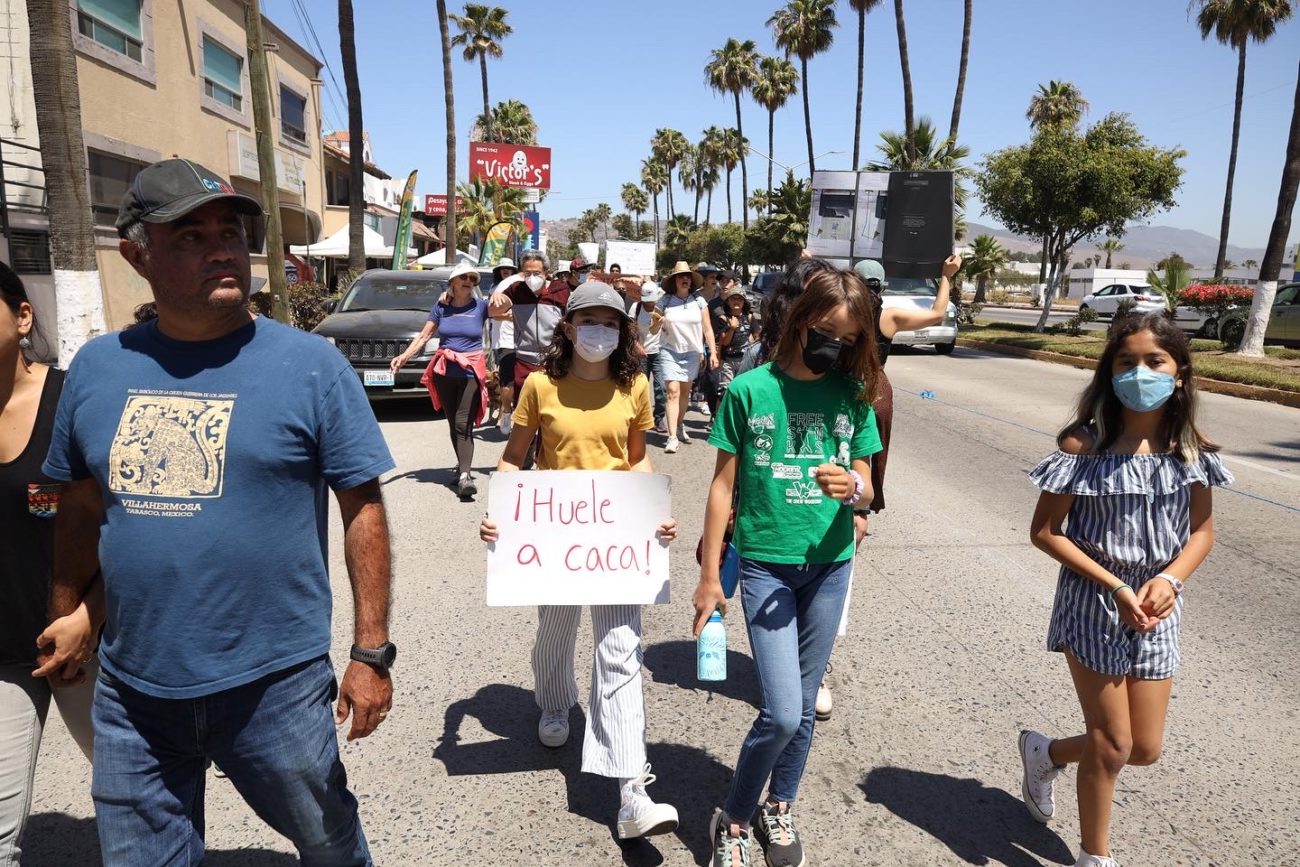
(870, 269)
(596, 294)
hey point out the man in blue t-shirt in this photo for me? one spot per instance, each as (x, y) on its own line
(199, 449)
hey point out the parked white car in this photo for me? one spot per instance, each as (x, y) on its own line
(917, 294)
(1105, 302)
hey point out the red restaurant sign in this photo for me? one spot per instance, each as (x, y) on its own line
(510, 165)
(436, 206)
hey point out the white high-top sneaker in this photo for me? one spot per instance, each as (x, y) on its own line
(1040, 775)
(1086, 860)
(638, 816)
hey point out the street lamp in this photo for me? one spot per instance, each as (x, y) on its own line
(759, 153)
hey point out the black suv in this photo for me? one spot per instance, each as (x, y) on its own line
(376, 320)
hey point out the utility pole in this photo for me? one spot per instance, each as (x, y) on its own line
(257, 80)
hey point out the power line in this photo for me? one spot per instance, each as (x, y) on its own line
(309, 32)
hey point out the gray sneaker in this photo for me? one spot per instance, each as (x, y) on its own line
(774, 830)
(729, 850)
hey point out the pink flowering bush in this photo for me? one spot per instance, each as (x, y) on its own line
(1214, 299)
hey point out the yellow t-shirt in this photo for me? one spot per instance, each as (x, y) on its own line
(584, 424)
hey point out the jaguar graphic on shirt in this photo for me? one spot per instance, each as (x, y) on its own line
(170, 445)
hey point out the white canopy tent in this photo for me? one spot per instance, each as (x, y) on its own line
(336, 246)
(439, 256)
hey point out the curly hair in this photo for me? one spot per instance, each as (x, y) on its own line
(624, 363)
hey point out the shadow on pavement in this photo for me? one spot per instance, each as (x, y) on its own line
(445, 476)
(673, 662)
(980, 824)
(405, 409)
(57, 840)
(689, 779)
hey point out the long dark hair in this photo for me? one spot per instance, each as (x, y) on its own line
(14, 295)
(624, 363)
(1100, 411)
(824, 292)
(777, 306)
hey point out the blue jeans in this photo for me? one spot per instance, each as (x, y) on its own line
(651, 367)
(274, 738)
(791, 612)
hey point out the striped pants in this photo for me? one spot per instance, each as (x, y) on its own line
(614, 742)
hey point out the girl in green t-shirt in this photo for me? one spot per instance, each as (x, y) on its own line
(793, 439)
(591, 403)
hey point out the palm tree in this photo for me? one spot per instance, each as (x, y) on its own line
(356, 141)
(77, 289)
(1057, 103)
(449, 99)
(712, 158)
(987, 256)
(805, 28)
(909, 112)
(653, 179)
(862, 7)
(961, 71)
(602, 214)
(730, 149)
(636, 201)
(482, 28)
(732, 70)
(668, 148)
(708, 181)
(1109, 247)
(774, 83)
(488, 203)
(760, 201)
(928, 151)
(677, 234)
(1235, 23)
(511, 123)
(686, 175)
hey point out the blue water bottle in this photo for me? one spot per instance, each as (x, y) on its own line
(711, 650)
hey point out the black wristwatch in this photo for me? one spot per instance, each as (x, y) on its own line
(380, 658)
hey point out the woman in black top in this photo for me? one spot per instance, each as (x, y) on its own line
(29, 393)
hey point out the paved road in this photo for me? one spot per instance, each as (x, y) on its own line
(1028, 316)
(943, 664)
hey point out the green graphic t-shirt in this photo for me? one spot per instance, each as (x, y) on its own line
(780, 430)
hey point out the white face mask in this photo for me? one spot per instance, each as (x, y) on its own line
(535, 282)
(596, 342)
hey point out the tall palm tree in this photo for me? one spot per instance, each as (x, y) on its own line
(709, 179)
(482, 28)
(356, 141)
(636, 202)
(653, 180)
(961, 71)
(928, 151)
(909, 112)
(1252, 342)
(1235, 23)
(449, 222)
(77, 289)
(987, 256)
(687, 177)
(862, 7)
(668, 148)
(602, 213)
(730, 149)
(677, 234)
(805, 28)
(774, 84)
(488, 203)
(731, 69)
(1057, 103)
(1109, 248)
(511, 123)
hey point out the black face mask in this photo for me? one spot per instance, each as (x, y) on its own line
(821, 352)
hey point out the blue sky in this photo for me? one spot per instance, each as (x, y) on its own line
(601, 76)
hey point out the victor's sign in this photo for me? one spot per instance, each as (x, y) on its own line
(510, 165)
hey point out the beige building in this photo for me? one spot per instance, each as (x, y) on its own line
(160, 79)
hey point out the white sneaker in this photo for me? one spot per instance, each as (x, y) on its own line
(638, 816)
(682, 434)
(670, 447)
(1040, 778)
(1086, 860)
(505, 424)
(824, 702)
(553, 728)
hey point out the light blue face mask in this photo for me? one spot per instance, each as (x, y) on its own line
(1143, 389)
(582, 277)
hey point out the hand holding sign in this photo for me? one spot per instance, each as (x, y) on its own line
(577, 538)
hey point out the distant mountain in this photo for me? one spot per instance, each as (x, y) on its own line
(1143, 245)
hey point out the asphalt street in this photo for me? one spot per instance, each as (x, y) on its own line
(1029, 316)
(943, 664)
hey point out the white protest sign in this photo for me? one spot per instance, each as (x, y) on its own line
(577, 537)
(635, 257)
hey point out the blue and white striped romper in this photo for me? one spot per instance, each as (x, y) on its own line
(1132, 515)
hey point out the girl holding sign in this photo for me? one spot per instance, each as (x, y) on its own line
(592, 405)
(793, 436)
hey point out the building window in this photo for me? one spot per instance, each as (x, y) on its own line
(372, 220)
(110, 178)
(114, 24)
(222, 71)
(293, 116)
(339, 188)
(29, 251)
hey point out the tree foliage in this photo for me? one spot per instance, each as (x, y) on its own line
(779, 237)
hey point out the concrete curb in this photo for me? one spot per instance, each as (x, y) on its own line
(1215, 386)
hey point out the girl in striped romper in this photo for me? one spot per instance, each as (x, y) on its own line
(1126, 509)
(592, 405)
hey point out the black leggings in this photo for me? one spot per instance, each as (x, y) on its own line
(460, 403)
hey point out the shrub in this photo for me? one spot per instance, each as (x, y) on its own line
(307, 304)
(1216, 299)
(999, 296)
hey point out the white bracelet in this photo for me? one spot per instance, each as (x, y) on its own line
(1173, 580)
